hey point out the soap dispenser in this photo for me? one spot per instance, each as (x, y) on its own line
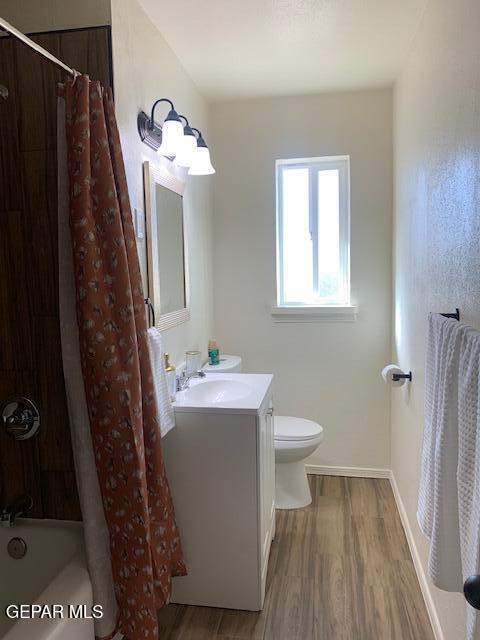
(170, 375)
(213, 352)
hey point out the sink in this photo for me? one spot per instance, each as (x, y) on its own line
(217, 391)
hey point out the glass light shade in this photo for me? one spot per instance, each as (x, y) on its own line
(201, 165)
(172, 135)
(186, 151)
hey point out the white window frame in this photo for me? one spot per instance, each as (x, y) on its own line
(302, 311)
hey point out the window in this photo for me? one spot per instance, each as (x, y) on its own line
(313, 232)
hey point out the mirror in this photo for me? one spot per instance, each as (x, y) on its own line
(166, 247)
(171, 268)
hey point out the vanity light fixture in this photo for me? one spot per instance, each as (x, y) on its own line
(201, 165)
(187, 147)
(172, 130)
(176, 141)
(165, 139)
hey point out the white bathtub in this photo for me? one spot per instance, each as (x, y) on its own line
(52, 571)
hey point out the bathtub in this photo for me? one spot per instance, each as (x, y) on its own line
(52, 571)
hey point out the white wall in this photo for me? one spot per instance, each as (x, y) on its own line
(437, 225)
(145, 69)
(329, 372)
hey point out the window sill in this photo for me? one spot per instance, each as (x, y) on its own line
(330, 313)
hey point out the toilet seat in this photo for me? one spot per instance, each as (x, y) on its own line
(289, 429)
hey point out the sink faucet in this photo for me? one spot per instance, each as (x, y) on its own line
(18, 508)
(184, 380)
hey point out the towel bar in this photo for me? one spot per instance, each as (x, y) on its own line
(455, 315)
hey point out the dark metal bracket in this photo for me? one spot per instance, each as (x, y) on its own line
(455, 315)
(150, 312)
(402, 376)
(151, 136)
(471, 591)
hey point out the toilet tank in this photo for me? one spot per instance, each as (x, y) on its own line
(228, 364)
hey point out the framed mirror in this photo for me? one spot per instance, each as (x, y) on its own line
(167, 254)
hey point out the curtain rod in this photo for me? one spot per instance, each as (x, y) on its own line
(5, 26)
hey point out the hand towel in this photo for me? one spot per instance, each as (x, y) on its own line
(164, 406)
(468, 473)
(438, 500)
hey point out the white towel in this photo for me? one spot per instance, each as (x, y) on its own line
(164, 406)
(438, 501)
(468, 474)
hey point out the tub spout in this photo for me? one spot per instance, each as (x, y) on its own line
(22, 505)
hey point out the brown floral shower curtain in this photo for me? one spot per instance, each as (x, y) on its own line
(144, 539)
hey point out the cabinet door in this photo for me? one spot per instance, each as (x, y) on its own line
(266, 474)
(270, 455)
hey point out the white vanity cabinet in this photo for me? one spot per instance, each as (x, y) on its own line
(221, 469)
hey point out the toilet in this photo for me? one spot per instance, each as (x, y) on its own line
(227, 364)
(295, 440)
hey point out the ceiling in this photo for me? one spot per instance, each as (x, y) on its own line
(246, 48)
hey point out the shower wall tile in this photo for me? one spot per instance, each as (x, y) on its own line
(15, 315)
(36, 81)
(10, 199)
(30, 352)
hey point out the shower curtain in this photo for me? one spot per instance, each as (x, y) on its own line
(144, 540)
(95, 528)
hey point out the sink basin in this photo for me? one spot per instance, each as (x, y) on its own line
(224, 393)
(216, 391)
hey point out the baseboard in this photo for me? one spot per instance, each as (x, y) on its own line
(351, 472)
(421, 575)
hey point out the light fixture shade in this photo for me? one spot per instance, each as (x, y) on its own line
(186, 151)
(172, 135)
(201, 165)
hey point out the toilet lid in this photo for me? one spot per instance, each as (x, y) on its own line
(227, 363)
(289, 428)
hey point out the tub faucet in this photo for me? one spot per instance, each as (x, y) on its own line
(17, 508)
(184, 380)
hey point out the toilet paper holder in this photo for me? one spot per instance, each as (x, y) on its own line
(402, 376)
(393, 374)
